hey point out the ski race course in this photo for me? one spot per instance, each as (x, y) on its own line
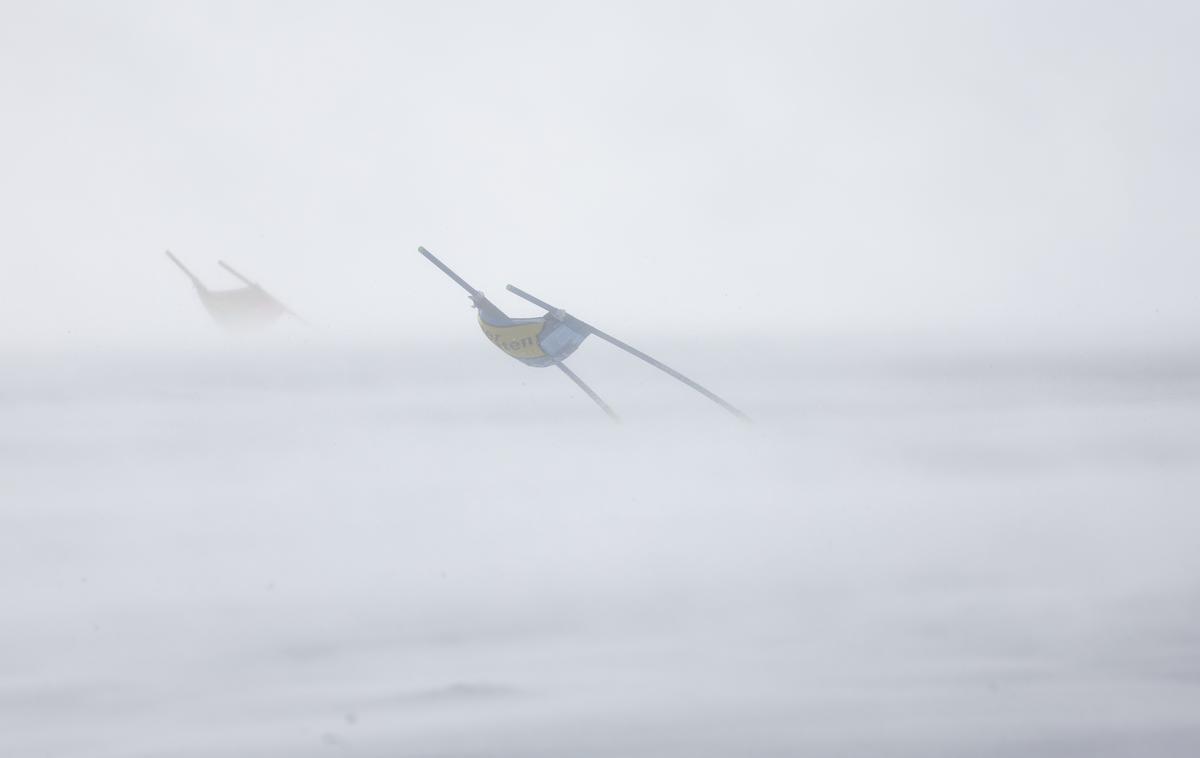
(914, 551)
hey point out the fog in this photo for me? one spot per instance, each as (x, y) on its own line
(940, 253)
(699, 166)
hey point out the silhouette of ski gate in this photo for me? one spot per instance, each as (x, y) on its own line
(548, 340)
(239, 308)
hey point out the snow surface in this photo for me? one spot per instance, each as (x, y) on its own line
(410, 551)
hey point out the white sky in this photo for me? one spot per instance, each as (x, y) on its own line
(701, 168)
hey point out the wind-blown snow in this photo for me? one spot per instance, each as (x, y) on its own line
(419, 552)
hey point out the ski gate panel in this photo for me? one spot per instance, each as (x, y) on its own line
(518, 340)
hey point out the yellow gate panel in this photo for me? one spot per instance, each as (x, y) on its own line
(519, 340)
